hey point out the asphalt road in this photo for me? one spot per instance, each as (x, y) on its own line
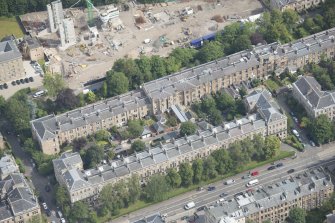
(174, 207)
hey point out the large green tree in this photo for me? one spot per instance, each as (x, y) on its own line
(187, 128)
(138, 146)
(54, 83)
(117, 83)
(173, 178)
(210, 51)
(197, 167)
(272, 146)
(297, 215)
(321, 129)
(66, 100)
(157, 188)
(135, 128)
(186, 174)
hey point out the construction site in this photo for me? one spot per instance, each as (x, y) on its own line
(82, 43)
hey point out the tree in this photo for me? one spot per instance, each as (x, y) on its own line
(117, 83)
(79, 143)
(241, 42)
(54, 83)
(173, 178)
(156, 189)
(134, 188)
(79, 212)
(186, 174)
(224, 101)
(215, 117)
(110, 154)
(66, 100)
(197, 167)
(61, 196)
(135, 128)
(138, 145)
(210, 51)
(90, 97)
(144, 64)
(172, 65)
(209, 168)
(224, 164)
(157, 67)
(2, 105)
(172, 121)
(297, 215)
(37, 218)
(187, 128)
(256, 38)
(102, 135)
(184, 55)
(104, 90)
(93, 156)
(130, 69)
(272, 146)
(321, 129)
(291, 18)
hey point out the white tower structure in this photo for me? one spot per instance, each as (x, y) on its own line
(55, 14)
(67, 33)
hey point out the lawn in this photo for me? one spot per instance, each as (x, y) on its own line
(141, 204)
(271, 85)
(9, 26)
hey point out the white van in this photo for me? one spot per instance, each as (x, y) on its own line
(39, 94)
(189, 205)
(295, 132)
(252, 183)
(228, 182)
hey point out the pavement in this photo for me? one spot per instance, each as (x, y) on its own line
(174, 207)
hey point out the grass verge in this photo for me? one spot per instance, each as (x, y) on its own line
(271, 85)
(9, 26)
(141, 204)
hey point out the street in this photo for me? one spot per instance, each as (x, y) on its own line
(174, 208)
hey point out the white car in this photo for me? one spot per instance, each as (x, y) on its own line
(45, 206)
(220, 200)
(62, 220)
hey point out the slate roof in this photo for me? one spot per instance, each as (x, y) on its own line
(9, 51)
(20, 198)
(311, 91)
(155, 218)
(273, 194)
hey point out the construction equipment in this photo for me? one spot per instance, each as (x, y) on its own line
(90, 7)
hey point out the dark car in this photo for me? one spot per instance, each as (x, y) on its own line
(41, 199)
(272, 167)
(279, 165)
(290, 171)
(13, 83)
(5, 85)
(47, 188)
(201, 208)
(22, 81)
(31, 79)
(223, 194)
(18, 82)
(1, 86)
(211, 188)
(185, 218)
(26, 80)
(48, 212)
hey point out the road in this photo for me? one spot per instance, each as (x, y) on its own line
(38, 182)
(314, 156)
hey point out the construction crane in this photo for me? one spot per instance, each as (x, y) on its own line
(90, 7)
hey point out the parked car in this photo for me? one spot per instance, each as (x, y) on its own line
(200, 188)
(211, 188)
(312, 143)
(1, 86)
(254, 173)
(41, 199)
(246, 176)
(5, 85)
(62, 220)
(295, 120)
(31, 79)
(26, 80)
(48, 212)
(18, 82)
(201, 208)
(45, 206)
(13, 83)
(272, 167)
(230, 181)
(290, 171)
(22, 81)
(279, 165)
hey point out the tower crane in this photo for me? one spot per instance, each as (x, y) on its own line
(90, 7)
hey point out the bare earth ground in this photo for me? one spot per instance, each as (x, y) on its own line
(132, 37)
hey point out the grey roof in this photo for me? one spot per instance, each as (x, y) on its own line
(179, 113)
(273, 194)
(7, 166)
(9, 51)
(19, 197)
(155, 218)
(46, 127)
(311, 91)
(32, 42)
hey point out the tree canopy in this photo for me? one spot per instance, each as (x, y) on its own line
(138, 146)
(117, 83)
(187, 128)
(297, 215)
(54, 83)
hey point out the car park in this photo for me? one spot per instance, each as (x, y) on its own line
(5, 85)
(290, 171)
(279, 165)
(272, 167)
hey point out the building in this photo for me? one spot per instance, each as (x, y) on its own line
(7, 166)
(32, 49)
(17, 201)
(11, 65)
(155, 218)
(182, 89)
(307, 91)
(330, 218)
(2, 141)
(273, 201)
(55, 15)
(67, 33)
(86, 184)
(297, 5)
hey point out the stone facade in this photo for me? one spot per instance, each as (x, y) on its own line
(296, 5)
(273, 201)
(182, 88)
(11, 65)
